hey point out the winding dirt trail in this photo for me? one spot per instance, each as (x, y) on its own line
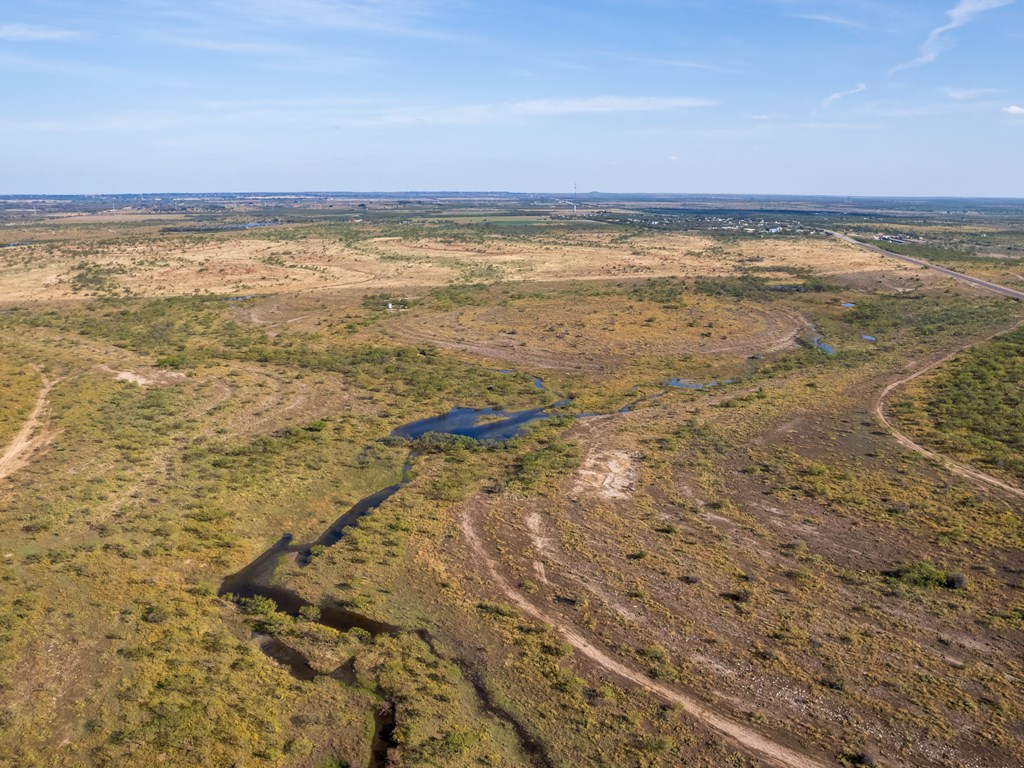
(903, 439)
(747, 738)
(15, 454)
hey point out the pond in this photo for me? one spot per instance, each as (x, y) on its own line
(493, 424)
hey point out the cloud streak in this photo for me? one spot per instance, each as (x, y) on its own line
(1014, 110)
(834, 20)
(228, 46)
(28, 33)
(669, 63)
(960, 15)
(337, 114)
(473, 114)
(604, 105)
(965, 94)
(406, 18)
(859, 88)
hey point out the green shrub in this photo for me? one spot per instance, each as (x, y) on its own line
(922, 574)
(257, 605)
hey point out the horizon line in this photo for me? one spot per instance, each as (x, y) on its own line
(567, 193)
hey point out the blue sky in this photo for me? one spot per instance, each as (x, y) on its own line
(907, 97)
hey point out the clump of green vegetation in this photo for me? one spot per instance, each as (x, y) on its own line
(949, 253)
(751, 286)
(95, 277)
(973, 407)
(541, 467)
(667, 291)
(922, 574)
(924, 316)
(454, 296)
(381, 301)
(926, 574)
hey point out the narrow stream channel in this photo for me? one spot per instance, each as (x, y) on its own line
(256, 579)
(492, 424)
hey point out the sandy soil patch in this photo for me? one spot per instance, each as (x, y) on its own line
(608, 473)
(161, 378)
(541, 543)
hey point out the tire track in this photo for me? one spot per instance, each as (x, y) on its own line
(15, 455)
(954, 466)
(770, 751)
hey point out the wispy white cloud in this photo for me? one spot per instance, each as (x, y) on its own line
(964, 94)
(1014, 110)
(408, 18)
(28, 33)
(471, 114)
(227, 46)
(669, 63)
(264, 54)
(826, 126)
(826, 19)
(15, 62)
(603, 104)
(334, 113)
(960, 15)
(860, 87)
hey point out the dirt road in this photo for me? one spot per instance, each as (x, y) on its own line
(748, 739)
(952, 465)
(1002, 290)
(15, 454)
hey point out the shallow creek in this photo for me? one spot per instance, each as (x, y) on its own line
(256, 579)
(492, 424)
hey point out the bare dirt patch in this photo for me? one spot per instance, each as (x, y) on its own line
(153, 378)
(608, 473)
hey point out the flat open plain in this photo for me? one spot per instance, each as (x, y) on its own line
(747, 515)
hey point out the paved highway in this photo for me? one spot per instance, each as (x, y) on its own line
(1002, 290)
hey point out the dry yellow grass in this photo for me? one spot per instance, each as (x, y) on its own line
(598, 333)
(149, 263)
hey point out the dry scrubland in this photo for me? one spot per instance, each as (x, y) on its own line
(75, 261)
(751, 573)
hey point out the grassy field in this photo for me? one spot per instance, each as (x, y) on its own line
(973, 408)
(752, 540)
(20, 385)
